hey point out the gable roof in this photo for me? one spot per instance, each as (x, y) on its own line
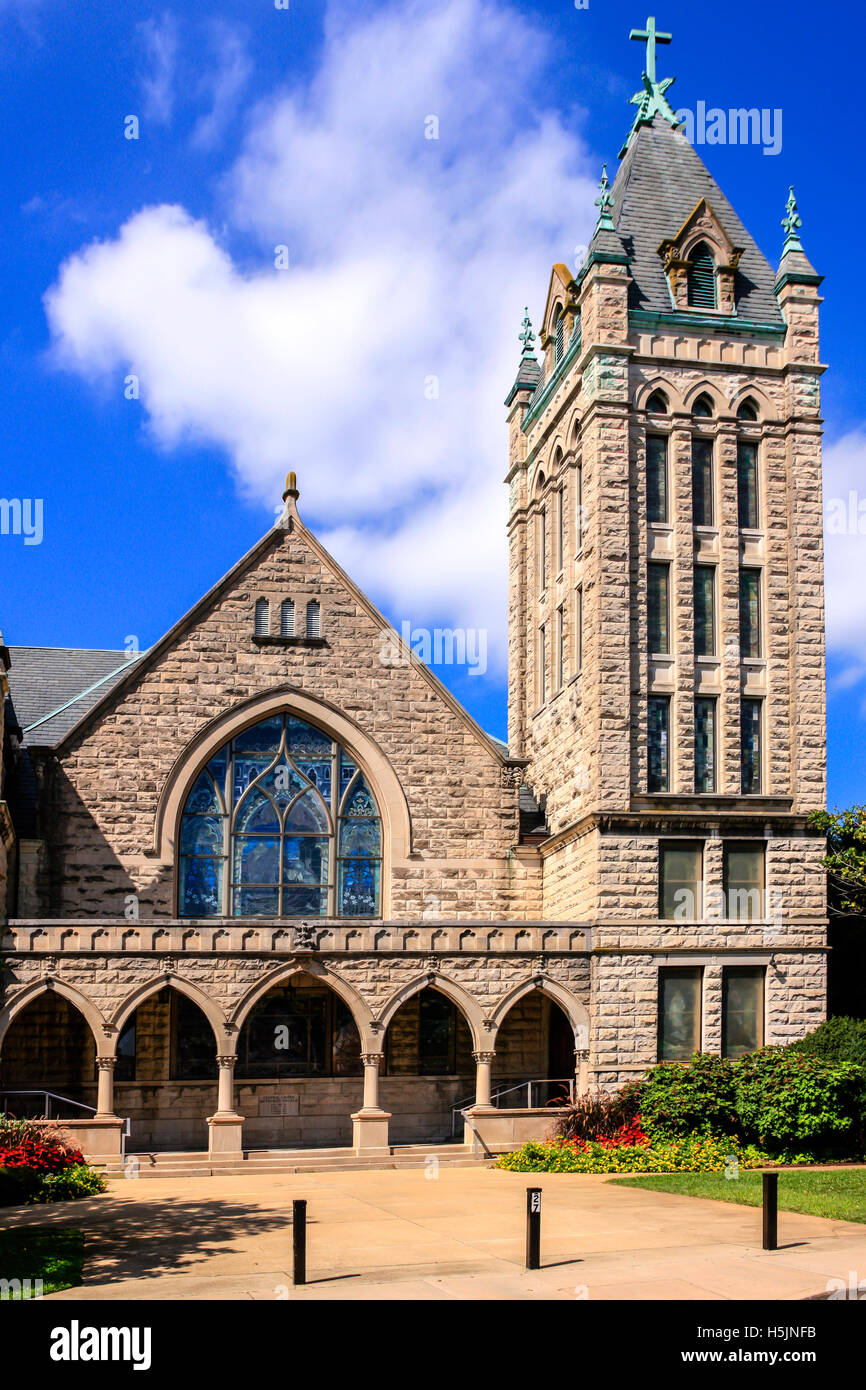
(54, 687)
(658, 185)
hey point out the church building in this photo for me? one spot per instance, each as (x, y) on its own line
(262, 888)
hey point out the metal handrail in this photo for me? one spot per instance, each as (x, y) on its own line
(460, 1107)
(49, 1096)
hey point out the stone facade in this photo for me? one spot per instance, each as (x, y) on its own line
(520, 932)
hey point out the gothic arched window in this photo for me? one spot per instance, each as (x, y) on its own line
(702, 278)
(748, 410)
(703, 407)
(657, 403)
(280, 823)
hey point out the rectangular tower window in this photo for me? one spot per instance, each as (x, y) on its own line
(681, 880)
(679, 1014)
(747, 483)
(578, 517)
(705, 614)
(750, 612)
(542, 550)
(658, 609)
(560, 531)
(742, 1009)
(542, 665)
(578, 628)
(560, 648)
(702, 482)
(750, 746)
(656, 477)
(744, 881)
(658, 743)
(705, 745)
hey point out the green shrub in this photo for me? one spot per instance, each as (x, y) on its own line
(78, 1180)
(837, 1040)
(697, 1097)
(791, 1100)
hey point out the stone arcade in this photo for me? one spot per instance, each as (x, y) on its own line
(263, 888)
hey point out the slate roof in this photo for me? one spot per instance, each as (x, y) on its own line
(53, 687)
(658, 184)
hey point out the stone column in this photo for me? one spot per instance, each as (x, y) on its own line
(483, 1064)
(105, 1087)
(483, 1104)
(225, 1127)
(370, 1123)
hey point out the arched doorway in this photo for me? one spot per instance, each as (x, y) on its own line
(165, 1077)
(48, 1046)
(428, 1067)
(298, 1071)
(535, 1043)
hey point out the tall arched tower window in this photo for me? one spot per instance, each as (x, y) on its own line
(280, 823)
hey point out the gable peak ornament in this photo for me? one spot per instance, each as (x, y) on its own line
(527, 337)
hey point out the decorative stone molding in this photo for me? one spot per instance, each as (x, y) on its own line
(305, 937)
(701, 226)
(483, 1058)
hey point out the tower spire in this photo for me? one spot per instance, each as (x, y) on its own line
(652, 100)
(604, 202)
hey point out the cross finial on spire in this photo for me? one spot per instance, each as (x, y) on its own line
(652, 36)
(527, 337)
(604, 202)
(792, 222)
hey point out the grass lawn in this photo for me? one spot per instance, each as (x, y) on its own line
(54, 1254)
(841, 1195)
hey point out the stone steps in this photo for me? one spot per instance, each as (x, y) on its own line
(259, 1161)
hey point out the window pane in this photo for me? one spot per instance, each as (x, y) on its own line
(359, 888)
(747, 483)
(702, 482)
(750, 734)
(705, 591)
(744, 882)
(261, 738)
(742, 1010)
(201, 835)
(680, 881)
(750, 613)
(705, 745)
(679, 1014)
(658, 635)
(305, 860)
(656, 478)
(201, 885)
(579, 628)
(658, 754)
(256, 859)
(255, 902)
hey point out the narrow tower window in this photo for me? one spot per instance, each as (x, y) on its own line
(705, 745)
(705, 617)
(702, 278)
(287, 618)
(658, 750)
(658, 626)
(750, 613)
(314, 625)
(747, 484)
(702, 482)
(750, 747)
(263, 618)
(656, 477)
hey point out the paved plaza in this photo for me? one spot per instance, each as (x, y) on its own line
(379, 1234)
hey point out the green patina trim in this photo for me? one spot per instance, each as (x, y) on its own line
(652, 100)
(553, 381)
(600, 258)
(658, 318)
(797, 277)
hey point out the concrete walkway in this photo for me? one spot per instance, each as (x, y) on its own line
(402, 1235)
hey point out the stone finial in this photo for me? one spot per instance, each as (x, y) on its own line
(291, 488)
(604, 202)
(792, 222)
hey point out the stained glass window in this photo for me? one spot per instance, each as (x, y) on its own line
(658, 754)
(656, 477)
(702, 482)
(747, 483)
(705, 618)
(280, 823)
(750, 612)
(657, 609)
(750, 743)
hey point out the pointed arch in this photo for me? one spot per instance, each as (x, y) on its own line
(658, 385)
(317, 970)
(468, 1006)
(576, 1012)
(211, 1010)
(91, 1014)
(758, 400)
(704, 393)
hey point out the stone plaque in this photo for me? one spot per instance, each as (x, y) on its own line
(279, 1105)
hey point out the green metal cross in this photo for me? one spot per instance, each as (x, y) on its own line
(527, 337)
(792, 223)
(652, 38)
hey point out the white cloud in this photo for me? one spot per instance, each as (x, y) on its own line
(410, 259)
(845, 553)
(223, 83)
(158, 39)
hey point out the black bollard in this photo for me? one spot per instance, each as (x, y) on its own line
(533, 1227)
(299, 1240)
(771, 1210)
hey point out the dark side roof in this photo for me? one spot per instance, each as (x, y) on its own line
(53, 687)
(658, 184)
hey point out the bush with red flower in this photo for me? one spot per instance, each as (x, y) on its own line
(38, 1163)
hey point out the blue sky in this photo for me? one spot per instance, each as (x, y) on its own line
(409, 260)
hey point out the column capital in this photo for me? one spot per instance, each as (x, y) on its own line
(483, 1058)
(227, 1060)
(372, 1059)
(106, 1063)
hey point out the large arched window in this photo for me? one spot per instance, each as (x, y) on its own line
(280, 823)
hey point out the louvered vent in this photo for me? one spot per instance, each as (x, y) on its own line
(702, 278)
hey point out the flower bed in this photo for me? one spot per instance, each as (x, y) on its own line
(630, 1151)
(38, 1164)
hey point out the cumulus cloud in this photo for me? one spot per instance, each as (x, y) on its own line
(845, 554)
(376, 365)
